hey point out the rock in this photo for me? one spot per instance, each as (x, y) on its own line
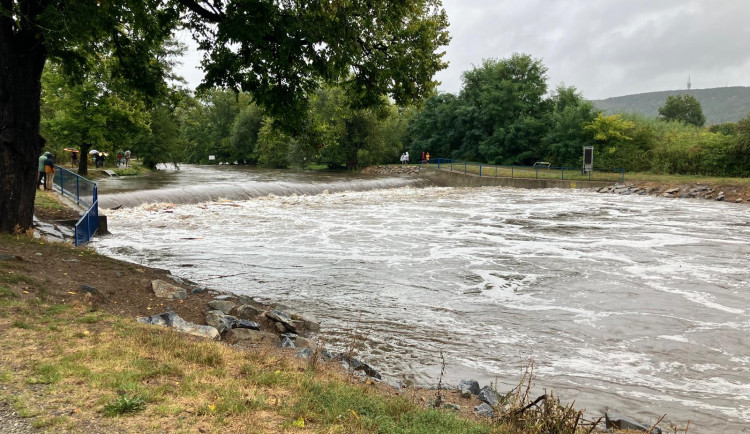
(224, 297)
(304, 353)
(283, 318)
(720, 197)
(172, 320)
(198, 290)
(246, 311)
(4, 257)
(119, 274)
(310, 325)
(89, 289)
(222, 322)
(251, 336)
(286, 343)
(618, 421)
(302, 342)
(244, 299)
(454, 407)
(484, 409)
(280, 327)
(672, 191)
(225, 306)
(246, 324)
(488, 395)
(326, 355)
(358, 365)
(468, 388)
(163, 289)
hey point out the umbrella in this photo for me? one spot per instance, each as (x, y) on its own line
(93, 151)
(70, 150)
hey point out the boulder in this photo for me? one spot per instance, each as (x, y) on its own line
(618, 421)
(672, 191)
(302, 342)
(251, 336)
(280, 327)
(225, 306)
(172, 320)
(454, 407)
(222, 322)
(310, 325)
(488, 395)
(484, 409)
(468, 388)
(246, 324)
(246, 311)
(304, 353)
(163, 289)
(358, 365)
(283, 318)
(286, 343)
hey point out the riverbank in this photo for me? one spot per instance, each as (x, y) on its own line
(74, 359)
(40, 268)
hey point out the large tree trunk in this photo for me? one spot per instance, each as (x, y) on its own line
(22, 57)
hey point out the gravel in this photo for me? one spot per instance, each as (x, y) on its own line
(11, 423)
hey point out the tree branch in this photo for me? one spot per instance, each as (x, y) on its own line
(213, 16)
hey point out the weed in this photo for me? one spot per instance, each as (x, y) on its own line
(6, 376)
(12, 277)
(88, 319)
(439, 398)
(49, 422)
(22, 325)
(7, 293)
(124, 404)
(46, 373)
(56, 309)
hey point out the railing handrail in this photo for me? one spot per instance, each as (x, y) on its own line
(88, 224)
(537, 169)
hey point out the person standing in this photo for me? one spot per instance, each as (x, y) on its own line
(119, 158)
(42, 174)
(49, 169)
(127, 158)
(406, 157)
(428, 157)
(73, 159)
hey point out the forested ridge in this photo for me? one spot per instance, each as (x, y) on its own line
(721, 104)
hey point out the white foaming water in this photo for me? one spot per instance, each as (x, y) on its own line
(635, 303)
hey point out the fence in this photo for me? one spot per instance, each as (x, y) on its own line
(84, 192)
(533, 172)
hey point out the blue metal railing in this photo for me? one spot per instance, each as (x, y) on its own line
(534, 172)
(84, 192)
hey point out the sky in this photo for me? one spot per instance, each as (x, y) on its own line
(605, 48)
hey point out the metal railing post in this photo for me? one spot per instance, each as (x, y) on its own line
(537, 172)
(480, 170)
(78, 191)
(465, 167)
(495, 171)
(511, 170)
(562, 176)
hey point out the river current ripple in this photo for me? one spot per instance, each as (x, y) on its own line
(637, 304)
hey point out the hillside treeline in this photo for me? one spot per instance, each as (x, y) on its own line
(504, 114)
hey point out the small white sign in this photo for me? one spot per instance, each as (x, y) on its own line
(211, 157)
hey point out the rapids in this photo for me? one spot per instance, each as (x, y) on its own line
(633, 303)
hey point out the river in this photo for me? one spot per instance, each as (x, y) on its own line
(633, 303)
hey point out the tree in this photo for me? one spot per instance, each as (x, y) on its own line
(278, 50)
(683, 108)
(509, 108)
(566, 136)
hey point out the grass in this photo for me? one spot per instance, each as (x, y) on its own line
(685, 179)
(46, 200)
(124, 374)
(128, 171)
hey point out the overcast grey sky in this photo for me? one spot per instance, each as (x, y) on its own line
(604, 48)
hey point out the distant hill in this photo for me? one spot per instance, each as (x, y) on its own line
(721, 104)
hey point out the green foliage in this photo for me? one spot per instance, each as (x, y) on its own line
(273, 146)
(280, 51)
(508, 108)
(683, 108)
(124, 404)
(243, 137)
(566, 136)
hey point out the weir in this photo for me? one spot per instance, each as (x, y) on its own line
(447, 178)
(249, 189)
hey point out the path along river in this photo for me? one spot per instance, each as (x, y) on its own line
(638, 304)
